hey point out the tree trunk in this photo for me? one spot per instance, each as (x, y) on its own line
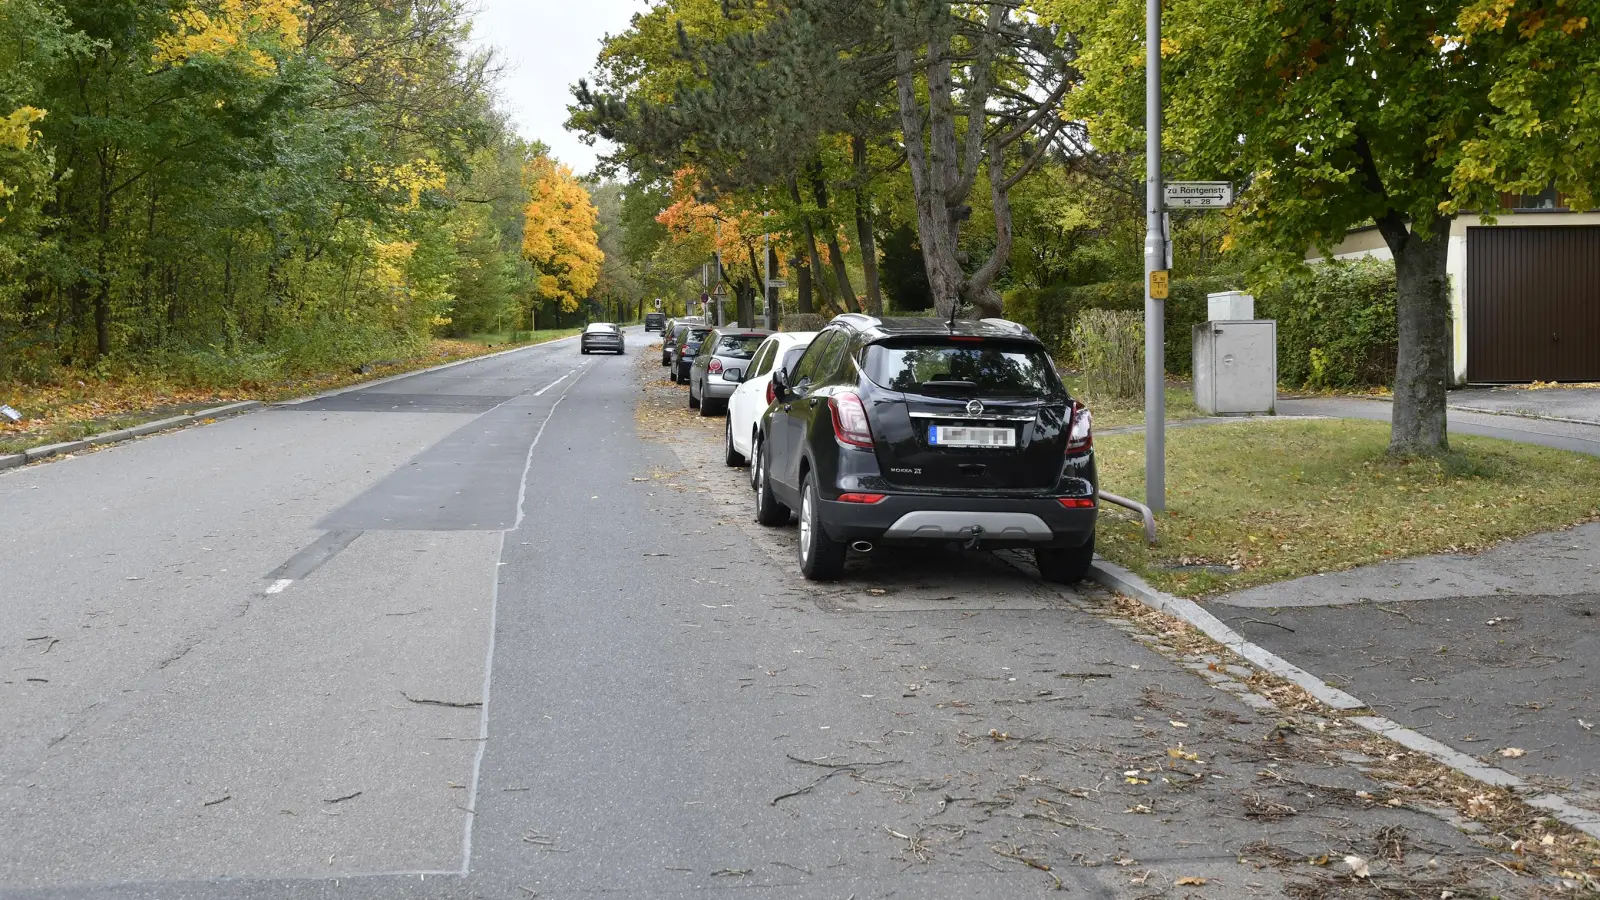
(811, 247)
(1422, 374)
(841, 274)
(864, 230)
(802, 284)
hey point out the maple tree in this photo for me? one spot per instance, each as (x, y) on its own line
(560, 237)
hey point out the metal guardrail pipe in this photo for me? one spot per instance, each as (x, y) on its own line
(1141, 509)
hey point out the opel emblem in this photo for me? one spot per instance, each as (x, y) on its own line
(974, 407)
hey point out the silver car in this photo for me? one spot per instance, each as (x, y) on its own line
(721, 364)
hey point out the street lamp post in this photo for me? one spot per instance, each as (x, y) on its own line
(1156, 275)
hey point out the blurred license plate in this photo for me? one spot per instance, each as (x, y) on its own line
(964, 436)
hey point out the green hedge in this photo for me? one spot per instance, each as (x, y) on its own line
(1052, 312)
(1336, 322)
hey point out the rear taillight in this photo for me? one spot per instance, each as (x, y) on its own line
(1080, 438)
(716, 367)
(1076, 502)
(850, 420)
(772, 393)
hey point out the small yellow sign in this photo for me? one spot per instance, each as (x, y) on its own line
(1159, 285)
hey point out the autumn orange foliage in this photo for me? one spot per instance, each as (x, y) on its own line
(560, 237)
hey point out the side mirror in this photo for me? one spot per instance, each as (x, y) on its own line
(734, 375)
(780, 383)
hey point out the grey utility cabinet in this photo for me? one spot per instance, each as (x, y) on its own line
(1236, 367)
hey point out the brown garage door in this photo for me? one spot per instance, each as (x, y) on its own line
(1533, 303)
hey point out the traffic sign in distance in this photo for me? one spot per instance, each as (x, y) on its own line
(777, 283)
(1198, 194)
(1160, 285)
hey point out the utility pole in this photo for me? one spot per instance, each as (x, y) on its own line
(1156, 275)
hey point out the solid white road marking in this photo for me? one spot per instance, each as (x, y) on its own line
(540, 392)
(280, 585)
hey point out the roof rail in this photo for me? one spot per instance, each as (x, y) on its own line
(861, 319)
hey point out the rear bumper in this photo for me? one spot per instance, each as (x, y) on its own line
(717, 389)
(918, 518)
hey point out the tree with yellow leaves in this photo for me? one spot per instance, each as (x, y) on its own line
(560, 238)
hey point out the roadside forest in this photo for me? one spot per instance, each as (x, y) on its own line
(227, 192)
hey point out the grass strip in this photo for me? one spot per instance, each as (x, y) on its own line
(1265, 501)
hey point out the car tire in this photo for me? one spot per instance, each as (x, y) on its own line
(693, 403)
(755, 449)
(665, 362)
(769, 511)
(710, 407)
(821, 557)
(1065, 565)
(730, 456)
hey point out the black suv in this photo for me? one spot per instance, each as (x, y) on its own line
(654, 322)
(917, 431)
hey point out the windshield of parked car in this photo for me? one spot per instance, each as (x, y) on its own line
(978, 368)
(739, 346)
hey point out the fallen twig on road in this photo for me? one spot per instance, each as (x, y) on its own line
(453, 704)
(344, 798)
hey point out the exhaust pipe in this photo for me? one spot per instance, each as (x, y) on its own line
(862, 546)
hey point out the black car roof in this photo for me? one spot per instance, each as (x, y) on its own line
(874, 328)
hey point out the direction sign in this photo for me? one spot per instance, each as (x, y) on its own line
(777, 283)
(1198, 194)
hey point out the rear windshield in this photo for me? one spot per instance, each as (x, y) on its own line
(695, 335)
(978, 369)
(597, 328)
(740, 346)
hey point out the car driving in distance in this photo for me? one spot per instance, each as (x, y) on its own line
(919, 431)
(684, 348)
(720, 365)
(601, 336)
(754, 393)
(654, 321)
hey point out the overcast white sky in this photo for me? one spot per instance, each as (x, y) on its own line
(547, 46)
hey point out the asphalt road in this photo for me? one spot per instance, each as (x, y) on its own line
(506, 630)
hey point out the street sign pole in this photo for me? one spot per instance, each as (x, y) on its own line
(1155, 282)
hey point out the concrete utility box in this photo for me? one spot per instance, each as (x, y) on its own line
(1236, 367)
(1231, 306)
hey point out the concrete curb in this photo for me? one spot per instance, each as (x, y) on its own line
(1530, 416)
(125, 434)
(1560, 806)
(232, 409)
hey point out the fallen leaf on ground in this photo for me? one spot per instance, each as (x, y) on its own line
(1191, 879)
(1513, 752)
(1358, 866)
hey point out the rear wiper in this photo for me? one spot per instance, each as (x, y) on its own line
(951, 385)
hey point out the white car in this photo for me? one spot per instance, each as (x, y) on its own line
(754, 394)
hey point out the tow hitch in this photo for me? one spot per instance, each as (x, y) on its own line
(972, 541)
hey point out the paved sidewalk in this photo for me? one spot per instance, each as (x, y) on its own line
(1575, 404)
(1577, 437)
(1487, 653)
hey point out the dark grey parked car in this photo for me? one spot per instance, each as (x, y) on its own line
(684, 348)
(669, 338)
(601, 336)
(720, 366)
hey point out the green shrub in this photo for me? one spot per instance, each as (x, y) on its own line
(1336, 321)
(1336, 325)
(1109, 347)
